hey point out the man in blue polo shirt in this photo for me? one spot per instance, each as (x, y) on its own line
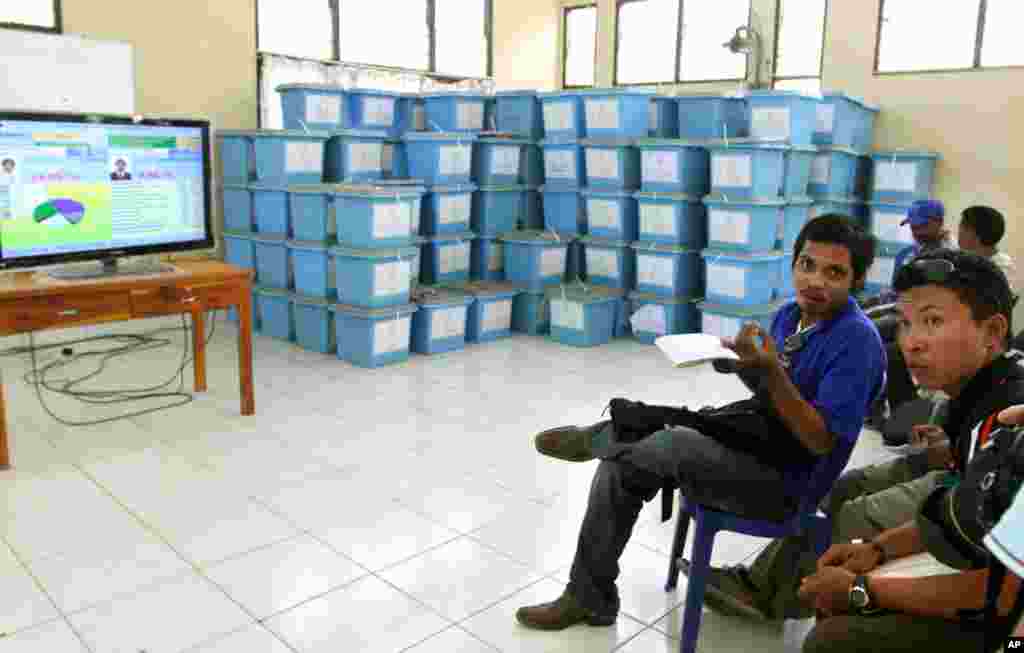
(816, 390)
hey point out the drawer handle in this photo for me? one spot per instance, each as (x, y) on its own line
(71, 312)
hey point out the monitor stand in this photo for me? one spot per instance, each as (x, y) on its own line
(110, 268)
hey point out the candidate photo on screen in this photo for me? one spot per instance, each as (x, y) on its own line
(8, 170)
(120, 171)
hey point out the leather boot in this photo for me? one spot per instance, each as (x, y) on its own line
(571, 443)
(560, 614)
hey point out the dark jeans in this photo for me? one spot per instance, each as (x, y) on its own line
(891, 633)
(705, 471)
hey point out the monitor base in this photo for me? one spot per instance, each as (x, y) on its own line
(110, 268)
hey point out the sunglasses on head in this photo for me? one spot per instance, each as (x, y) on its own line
(943, 271)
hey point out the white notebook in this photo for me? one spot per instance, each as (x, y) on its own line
(689, 349)
(915, 566)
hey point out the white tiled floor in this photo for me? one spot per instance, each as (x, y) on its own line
(383, 510)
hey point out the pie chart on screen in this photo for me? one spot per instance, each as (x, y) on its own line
(68, 209)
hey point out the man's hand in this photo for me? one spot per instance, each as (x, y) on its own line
(828, 590)
(854, 558)
(927, 435)
(754, 346)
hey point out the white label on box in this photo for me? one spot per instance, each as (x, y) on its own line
(366, 157)
(552, 262)
(603, 263)
(497, 316)
(323, 109)
(821, 169)
(448, 323)
(455, 160)
(602, 114)
(890, 175)
(496, 257)
(604, 214)
(558, 116)
(469, 115)
(826, 118)
(769, 123)
(720, 325)
(379, 111)
(729, 226)
(727, 280)
(391, 335)
(881, 270)
(419, 118)
(650, 318)
(660, 167)
(304, 156)
(656, 270)
(454, 209)
(887, 227)
(603, 164)
(658, 219)
(391, 278)
(567, 314)
(392, 219)
(505, 160)
(387, 157)
(560, 164)
(454, 257)
(731, 170)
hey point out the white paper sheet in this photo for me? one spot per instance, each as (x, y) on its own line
(304, 156)
(391, 278)
(391, 335)
(660, 167)
(825, 118)
(567, 314)
(603, 214)
(552, 262)
(886, 226)
(392, 219)
(729, 226)
(454, 257)
(454, 209)
(602, 114)
(455, 160)
(469, 115)
(560, 164)
(881, 270)
(496, 257)
(731, 170)
(895, 176)
(448, 323)
(323, 109)
(497, 316)
(913, 566)
(727, 280)
(722, 326)
(602, 164)
(379, 111)
(603, 263)
(821, 169)
(658, 219)
(769, 123)
(365, 157)
(505, 160)
(656, 270)
(558, 116)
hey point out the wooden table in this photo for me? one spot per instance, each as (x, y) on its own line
(33, 301)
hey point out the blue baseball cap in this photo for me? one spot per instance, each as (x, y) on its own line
(923, 211)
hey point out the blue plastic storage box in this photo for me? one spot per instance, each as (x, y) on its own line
(564, 210)
(314, 324)
(312, 106)
(611, 164)
(848, 206)
(487, 260)
(533, 165)
(667, 270)
(610, 213)
(239, 249)
(498, 161)
(674, 166)
(286, 157)
(498, 209)
(440, 323)
(455, 112)
(741, 278)
(796, 174)
(313, 268)
(414, 186)
(490, 314)
(616, 113)
(447, 209)
(375, 110)
(884, 223)
(490, 117)
(373, 337)
(672, 218)
(238, 209)
(879, 277)
(609, 263)
(834, 172)
(394, 159)
(664, 117)
(237, 160)
(373, 278)
(744, 225)
(726, 320)
(783, 116)
(530, 313)
(407, 113)
(663, 316)
(746, 170)
(519, 113)
(564, 164)
(575, 262)
(786, 288)
(275, 309)
(535, 258)
(440, 159)
(533, 207)
(563, 115)
(583, 315)
(797, 213)
(703, 117)
(446, 258)
(355, 156)
(374, 216)
(273, 264)
(271, 210)
(845, 121)
(312, 212)
(902, 177)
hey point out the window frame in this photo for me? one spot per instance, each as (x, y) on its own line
(679, 50)
(58, 23)
(979, 42)
(775, 49)
(566, 10)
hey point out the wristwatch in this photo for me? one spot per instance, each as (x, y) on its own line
(861, 601)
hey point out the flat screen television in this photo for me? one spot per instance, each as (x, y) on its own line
(77, 188)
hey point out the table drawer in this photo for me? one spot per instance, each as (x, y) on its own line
(56, 311)
(153, 302)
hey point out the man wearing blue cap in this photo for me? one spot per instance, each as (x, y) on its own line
(925, 218)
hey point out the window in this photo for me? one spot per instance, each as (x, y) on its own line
(299, 28)
(670, 41)
(386, 33)
(800, 29)
(579, 46)
(958, 35)
(43, 15)
(462, 41)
